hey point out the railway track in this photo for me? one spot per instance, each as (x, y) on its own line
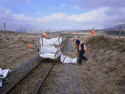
(31, 82)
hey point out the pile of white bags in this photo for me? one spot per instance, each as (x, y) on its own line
(50, 49)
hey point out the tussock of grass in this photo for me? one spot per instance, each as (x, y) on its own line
(101, 42)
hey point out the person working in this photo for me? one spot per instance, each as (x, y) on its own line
(77, 43)
(92, 32)
(45, 34)
(82, 50)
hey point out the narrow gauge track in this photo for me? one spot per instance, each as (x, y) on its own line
(31, 82)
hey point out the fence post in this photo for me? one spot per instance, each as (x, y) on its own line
(120, 32)
(105, 31)
(30, 31)
(4, 28)
(21, 31)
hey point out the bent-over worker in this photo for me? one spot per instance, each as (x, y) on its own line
(77, 43)
(82, 50)
(45, 34)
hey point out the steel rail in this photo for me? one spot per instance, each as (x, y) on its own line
(36, 91)
(12, 86)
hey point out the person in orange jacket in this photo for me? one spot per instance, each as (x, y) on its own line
(45, 34)
(77, 43)
(82, 50)
(92, 32)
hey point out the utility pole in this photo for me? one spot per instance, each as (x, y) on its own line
(4, 28)
(119, 31)
(30, 31)
(21, 31)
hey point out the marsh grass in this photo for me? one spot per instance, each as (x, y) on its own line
(101, 42)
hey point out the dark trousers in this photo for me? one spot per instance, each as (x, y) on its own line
(78, 47)
(81, 53)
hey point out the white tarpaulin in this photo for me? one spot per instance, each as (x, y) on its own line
(0, 71)
(49, 49)
(51, 41)
(66, 59)
(4, 73)
(50, 55)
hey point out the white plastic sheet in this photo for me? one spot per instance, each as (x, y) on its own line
(66, 59)
(0, 71)
(50, 55)
(51, 41)
(49, 49)
(4, 73)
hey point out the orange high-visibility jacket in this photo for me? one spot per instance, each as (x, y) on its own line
(92, 32)
(80, 48)
(29, 46)
(44, 34)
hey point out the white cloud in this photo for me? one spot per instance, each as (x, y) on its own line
(47, 19)
(63, 5)
(28, 2)
(6, 11)
(22, 17)
(97, 18)
(38, 13)
(74, 7)
(92, 16)
(52, 18)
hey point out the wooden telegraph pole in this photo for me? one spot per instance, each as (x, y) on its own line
(21, 31)
(4, 28)
(30, 32)
(119, 31)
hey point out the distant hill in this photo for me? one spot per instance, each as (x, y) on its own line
(69, 30)
(117, 27)
(36, 31)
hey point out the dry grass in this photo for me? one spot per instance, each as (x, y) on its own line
(101, 42)
(112, 73)
(13, 49)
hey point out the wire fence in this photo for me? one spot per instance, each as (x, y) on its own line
(21, 29)
(120, 32)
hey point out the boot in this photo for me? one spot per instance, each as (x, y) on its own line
(80, 61)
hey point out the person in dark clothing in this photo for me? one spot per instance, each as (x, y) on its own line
(77, 43)
(82, 50)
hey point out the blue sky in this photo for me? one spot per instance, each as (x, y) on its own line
(61, 14)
